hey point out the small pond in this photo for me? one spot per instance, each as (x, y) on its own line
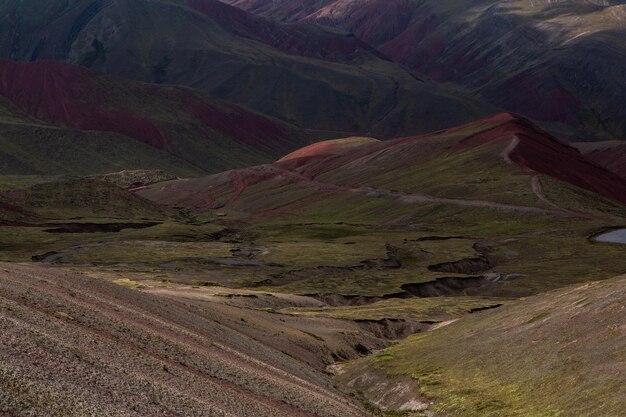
(615, 236)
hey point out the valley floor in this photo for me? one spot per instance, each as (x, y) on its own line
(90, 343)
(453, 274)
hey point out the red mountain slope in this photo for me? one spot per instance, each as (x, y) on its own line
(543, 153)
(317, 78)
(68, 95)
(528, 146)
(611, 156)
(492, 163)
(374, 21)
(209, 133)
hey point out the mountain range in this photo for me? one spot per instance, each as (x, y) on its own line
(312, 208)
(312, 77)
(559, 62)
(61, 118)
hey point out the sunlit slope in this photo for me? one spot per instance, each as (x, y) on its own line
(556, 354)
(328, 147)
(498, 162)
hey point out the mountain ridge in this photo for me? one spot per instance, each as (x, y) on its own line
(201, 131)
(275, 69)
(551, 61)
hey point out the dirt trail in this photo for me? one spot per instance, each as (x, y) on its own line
(239, 183)
(424, 198)
(506, 154)
(408, 198)
(535, 183)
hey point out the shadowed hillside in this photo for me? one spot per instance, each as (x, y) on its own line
(67, 119)
(551, 61)
(306, 75)
(611, 155)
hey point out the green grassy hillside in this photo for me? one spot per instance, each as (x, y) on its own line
(39, 149)
(557, 354)
(357, 246)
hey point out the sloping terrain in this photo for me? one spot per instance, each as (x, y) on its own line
(70, 205)
(521, 143)
(328, 148)
(199, 216)
(135, 178)
(551, 61)
(11, 214)
(312, 77)
(559, 353)
(448, 213)
(65, 107)
(304, 40)
(611, 155)
(375, 22)
(506, 152)
(235, 292)
(74, 198)
(30, 146)
(34, 148)
(75, 346)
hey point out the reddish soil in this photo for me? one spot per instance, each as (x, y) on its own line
(198, 200)
(543, 99)
(70, 95)
(525, 145)
(14, 209)
(403, 47)
(326, 149)
(374, 21)
(242, 125)
(13, 215)
(239, 183)
(537, 151)
(614, 159)
(96, 227)
(543, 153)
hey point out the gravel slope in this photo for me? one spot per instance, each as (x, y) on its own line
(79, 346)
